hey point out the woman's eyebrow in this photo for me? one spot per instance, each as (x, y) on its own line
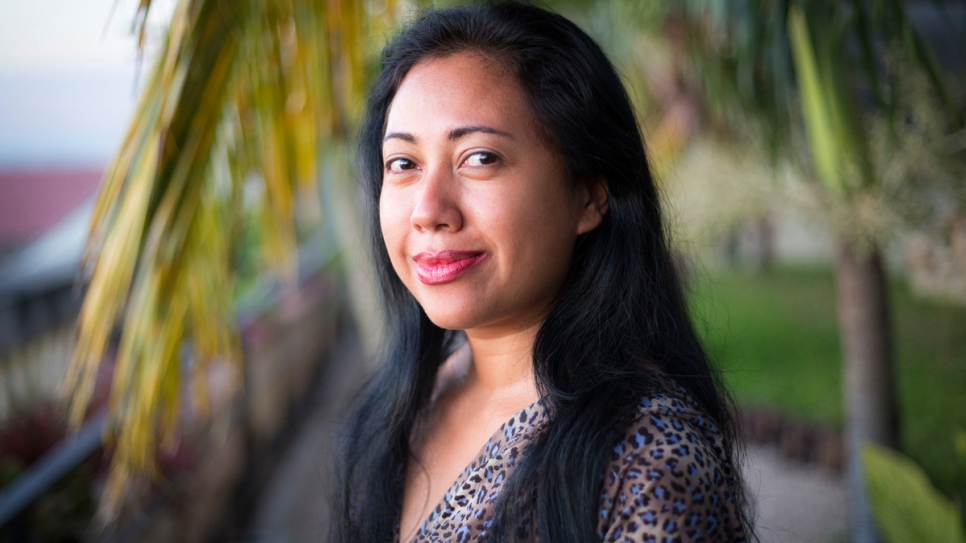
(454, 134)
(458, 133)
(399, 136)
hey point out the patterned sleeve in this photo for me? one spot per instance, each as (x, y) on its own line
(669, 479)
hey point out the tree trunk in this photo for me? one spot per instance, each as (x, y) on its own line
(760, 237)
(869, 386)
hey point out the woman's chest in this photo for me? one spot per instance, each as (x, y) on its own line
(436, 465)
(457, 474)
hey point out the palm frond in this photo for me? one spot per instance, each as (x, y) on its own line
(244, 92)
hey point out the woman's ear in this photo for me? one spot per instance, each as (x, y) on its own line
(595, 199)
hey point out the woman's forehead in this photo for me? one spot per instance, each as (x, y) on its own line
(460, 89)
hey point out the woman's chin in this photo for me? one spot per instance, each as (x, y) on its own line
(449, 320)
(447, 314)
(451, 309)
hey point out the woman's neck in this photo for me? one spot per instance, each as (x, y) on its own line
(502, 362)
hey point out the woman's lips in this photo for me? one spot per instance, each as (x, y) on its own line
(445, 266)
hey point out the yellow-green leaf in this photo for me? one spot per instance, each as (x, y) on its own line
(907, 508)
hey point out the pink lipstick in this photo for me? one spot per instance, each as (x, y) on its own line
(445, 266)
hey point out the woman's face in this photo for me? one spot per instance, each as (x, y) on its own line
(478, 217)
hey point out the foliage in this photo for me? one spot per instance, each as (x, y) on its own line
(907, 508)
(918, 173)
(241, 98)
(825, 86)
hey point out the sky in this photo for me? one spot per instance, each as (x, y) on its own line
(68, 79)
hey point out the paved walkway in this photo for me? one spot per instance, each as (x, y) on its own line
(795, 503)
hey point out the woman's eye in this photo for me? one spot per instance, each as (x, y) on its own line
(398, 165)
(481, 159)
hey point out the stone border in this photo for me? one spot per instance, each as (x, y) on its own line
(804, 442)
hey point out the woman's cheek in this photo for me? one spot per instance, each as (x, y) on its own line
(394, 222)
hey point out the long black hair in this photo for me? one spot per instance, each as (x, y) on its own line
(620, 321)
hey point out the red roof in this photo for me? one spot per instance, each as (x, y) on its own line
(31, 201)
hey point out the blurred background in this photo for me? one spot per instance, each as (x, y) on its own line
(185, 301)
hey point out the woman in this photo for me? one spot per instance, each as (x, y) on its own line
(542, 380)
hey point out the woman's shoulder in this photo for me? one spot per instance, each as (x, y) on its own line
(670, 475)
(669, 414)
(670, 429)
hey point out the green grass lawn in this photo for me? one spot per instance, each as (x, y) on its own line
(776, 339)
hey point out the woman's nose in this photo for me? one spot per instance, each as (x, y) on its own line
(437, 202)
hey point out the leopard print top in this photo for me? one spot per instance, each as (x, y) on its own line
(669, 479)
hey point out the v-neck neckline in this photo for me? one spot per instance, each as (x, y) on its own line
(508, 432)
